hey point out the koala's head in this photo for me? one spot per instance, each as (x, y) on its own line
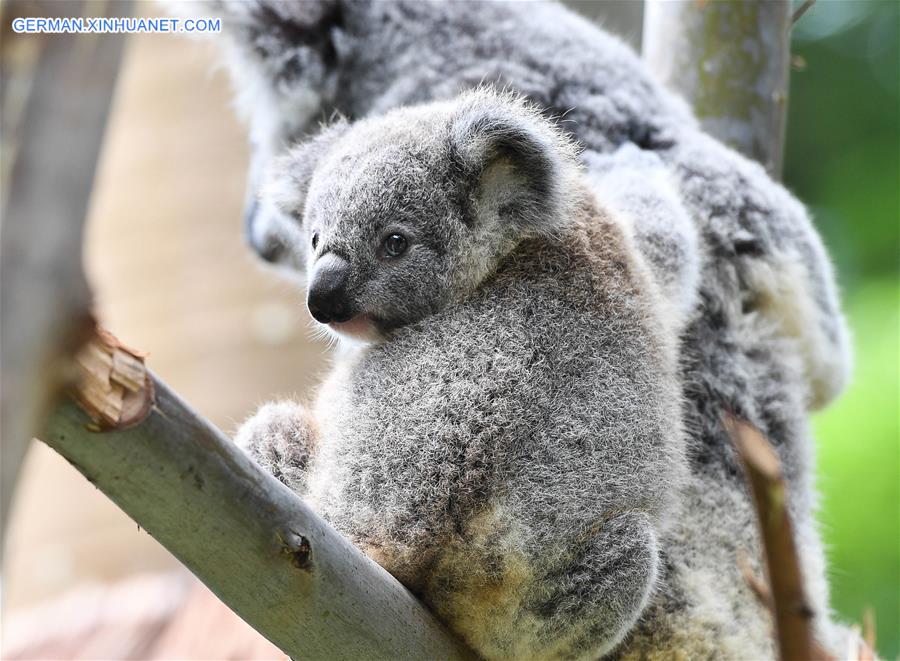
(392, 218)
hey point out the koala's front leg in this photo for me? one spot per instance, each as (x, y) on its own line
(588, 599)
(280, 437)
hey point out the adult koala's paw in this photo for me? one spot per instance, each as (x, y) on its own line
(280, 437)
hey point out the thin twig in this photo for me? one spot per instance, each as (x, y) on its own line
(783, 595)
(757, 585)
(792, 612)
(802, 9)
(868, 628)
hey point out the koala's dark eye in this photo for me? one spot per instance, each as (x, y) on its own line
(395, 245)
(315, 240)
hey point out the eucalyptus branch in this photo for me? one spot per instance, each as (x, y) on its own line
(250, 539)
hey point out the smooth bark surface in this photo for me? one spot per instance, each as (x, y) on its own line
(729, 59)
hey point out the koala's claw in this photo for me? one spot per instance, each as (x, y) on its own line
(280, 437)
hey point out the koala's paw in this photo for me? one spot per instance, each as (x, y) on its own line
(587, 603)
(280, 437)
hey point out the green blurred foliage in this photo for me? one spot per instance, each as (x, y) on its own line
(858, 477)
(843, 160)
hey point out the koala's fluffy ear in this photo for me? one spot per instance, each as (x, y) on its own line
(513, 165)
(287, 181)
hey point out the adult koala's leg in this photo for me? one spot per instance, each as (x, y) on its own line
(587, 598)
(280, 437)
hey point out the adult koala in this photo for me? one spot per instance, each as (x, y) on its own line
(501, 429)
(768, 342)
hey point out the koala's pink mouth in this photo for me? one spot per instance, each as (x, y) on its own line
(359, 328)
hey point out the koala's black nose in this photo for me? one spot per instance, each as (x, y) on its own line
(327, 295)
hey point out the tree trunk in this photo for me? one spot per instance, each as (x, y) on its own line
(58, 130)
(729, 59)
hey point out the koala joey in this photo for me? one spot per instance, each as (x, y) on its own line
(765, 339)
(501, 428)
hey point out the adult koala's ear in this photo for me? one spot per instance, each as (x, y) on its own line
(275, 226)
(291, 39)
(514, 166)
(284, 57)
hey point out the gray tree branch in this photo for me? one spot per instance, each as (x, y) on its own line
(250, 539)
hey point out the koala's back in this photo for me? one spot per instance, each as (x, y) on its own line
(482, 441)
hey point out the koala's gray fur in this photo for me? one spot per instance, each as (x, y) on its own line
(509, 444)
(766, 339)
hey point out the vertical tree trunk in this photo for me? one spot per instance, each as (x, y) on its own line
(45, 298)
(729, 59)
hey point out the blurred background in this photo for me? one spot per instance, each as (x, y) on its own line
(165, 257)
(842, 160)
